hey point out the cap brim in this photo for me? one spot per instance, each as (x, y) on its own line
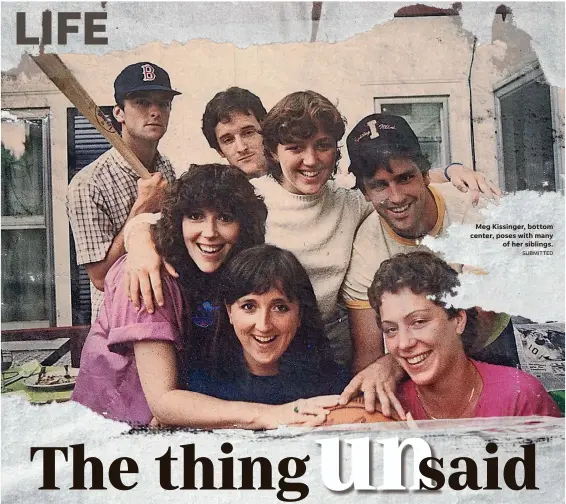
(388, 149)
(367, 153)
(153, 88)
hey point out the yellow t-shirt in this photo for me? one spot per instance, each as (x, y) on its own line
(376, 242)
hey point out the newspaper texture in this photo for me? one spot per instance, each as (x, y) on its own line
(541, 351)
(361, 57)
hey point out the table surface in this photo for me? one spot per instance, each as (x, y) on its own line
(19, 387)
(26, 351)
(20, 357)
(26, 356)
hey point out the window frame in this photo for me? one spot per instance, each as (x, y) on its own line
(14, 223)
(527, 75)
(444, 117)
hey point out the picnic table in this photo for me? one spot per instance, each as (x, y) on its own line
(30, 350)
(49, 345)
(22, 381)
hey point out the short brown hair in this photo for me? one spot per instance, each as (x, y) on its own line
(423, 273)
(299, 116)
(226, 103)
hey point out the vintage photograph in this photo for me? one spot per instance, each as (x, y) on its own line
(213, 218)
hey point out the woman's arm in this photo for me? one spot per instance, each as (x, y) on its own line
(156, 363)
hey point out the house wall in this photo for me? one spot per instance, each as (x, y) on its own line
(404, 57)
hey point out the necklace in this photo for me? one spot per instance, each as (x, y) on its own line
(432, 417)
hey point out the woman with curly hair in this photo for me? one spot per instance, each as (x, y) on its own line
(429, 338)
(130, 358)
(269, 344)
(309, 214)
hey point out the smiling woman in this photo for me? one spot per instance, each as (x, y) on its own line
(301, 134)
(428, 337)
(308, 213)
(265, 325)
(210, 236)
(269, 344)
(132, 359)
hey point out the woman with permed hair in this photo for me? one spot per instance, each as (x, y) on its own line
(269, 344)
(309, 214)
(130, 360)
(428, 338)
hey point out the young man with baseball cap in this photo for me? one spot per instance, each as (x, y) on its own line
(393, 174)
(103, 196)
(231, 124)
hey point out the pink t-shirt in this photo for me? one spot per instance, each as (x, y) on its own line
(506, 391)
(108, 380)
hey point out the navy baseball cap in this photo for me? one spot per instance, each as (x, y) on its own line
(142, 76)
(379, 134)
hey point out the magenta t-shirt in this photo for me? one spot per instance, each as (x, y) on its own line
(108, 380)
(506, 391)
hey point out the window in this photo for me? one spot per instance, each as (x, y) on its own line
(529, 141)
(428, 117)
(27, 260)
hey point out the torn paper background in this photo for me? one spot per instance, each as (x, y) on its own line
(525, 266)
(361, 57)
(108, 440)
(245, 23)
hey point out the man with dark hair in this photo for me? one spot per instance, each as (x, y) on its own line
(393, 174)
(231, 124)
(103, 196)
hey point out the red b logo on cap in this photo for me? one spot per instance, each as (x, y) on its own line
(148, 73)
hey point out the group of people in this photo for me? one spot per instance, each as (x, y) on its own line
(226, 310)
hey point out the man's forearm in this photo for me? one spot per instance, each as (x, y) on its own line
(367, 341)
(140, 222)
(97, 271)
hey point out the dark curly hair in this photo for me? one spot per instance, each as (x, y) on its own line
(224, 104)
(257, 270)
(299, 116)
(216, 187)
(423, 273)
